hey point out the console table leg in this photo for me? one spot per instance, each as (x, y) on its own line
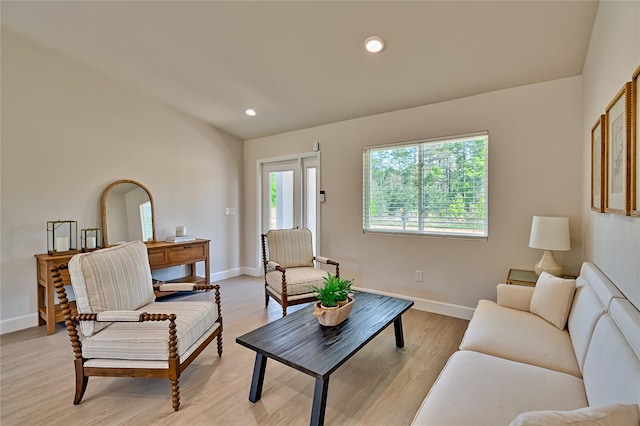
(319, 401)
(397, 326)
(259, 367)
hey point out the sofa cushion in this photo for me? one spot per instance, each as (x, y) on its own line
(594, 292)
(299, 280)
(519, 336)
(586, 310)
(150, 340)
(612, 364)
(479, 389)
(100, 283)
(604, 288)
(552, 298)
(607, 415)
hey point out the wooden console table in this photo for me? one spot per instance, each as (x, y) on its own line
(164, 255)
(47, 292)
(161, 255)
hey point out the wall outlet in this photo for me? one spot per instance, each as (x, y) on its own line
(418, 277)
(230, 211)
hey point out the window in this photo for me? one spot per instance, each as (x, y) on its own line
(146, 221)
(431, 187)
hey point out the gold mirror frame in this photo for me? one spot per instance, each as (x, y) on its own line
(105, 195)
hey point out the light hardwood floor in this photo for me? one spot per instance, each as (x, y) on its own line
(379, 385)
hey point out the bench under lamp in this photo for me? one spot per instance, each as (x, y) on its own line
(549, 233)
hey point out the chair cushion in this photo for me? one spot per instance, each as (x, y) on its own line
(299, 280)
(291, 248)
(150, 340)
(552, 298)
(112, 279)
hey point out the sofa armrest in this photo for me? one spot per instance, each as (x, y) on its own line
(515, 296)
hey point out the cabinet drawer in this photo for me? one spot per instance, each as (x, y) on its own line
(185, 253)
(44, 273)
(157, 258)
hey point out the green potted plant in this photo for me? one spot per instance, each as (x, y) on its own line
(334, 302)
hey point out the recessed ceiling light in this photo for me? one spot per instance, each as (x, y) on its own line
(250, 112)
(374, 44)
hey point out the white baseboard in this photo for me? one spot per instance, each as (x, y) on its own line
(254, 272)
(442, 308)
(456, 311)
(20, 323)
(236, 272)
(448, 309)
(223, 275)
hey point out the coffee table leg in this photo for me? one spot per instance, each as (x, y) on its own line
(319, 401)
(397, 325)
(255, 393)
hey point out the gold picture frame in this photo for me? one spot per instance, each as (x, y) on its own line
(598, 165)
(634, 151)
(617, 144)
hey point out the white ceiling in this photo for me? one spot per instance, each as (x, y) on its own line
(302, 64)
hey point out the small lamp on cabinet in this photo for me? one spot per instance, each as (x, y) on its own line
(90, 239)
(62, 237)
(549, 233)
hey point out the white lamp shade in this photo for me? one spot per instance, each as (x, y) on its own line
(550, 233)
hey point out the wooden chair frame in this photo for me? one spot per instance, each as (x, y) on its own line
(174, 367)
(284, 300)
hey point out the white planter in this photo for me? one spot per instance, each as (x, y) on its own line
(330, 316)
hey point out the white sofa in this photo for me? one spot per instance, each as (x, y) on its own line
(512, 361)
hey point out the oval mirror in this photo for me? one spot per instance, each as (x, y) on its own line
(127, 213)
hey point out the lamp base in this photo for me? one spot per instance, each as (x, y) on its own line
(548, 264)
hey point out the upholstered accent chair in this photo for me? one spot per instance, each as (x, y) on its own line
(125, 332)
(289, 268)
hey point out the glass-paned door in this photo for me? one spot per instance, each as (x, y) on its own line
(290, 194)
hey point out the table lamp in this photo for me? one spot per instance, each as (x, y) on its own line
(549, 233)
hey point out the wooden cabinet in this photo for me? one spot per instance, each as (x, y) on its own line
(47, 292)
(161, 255)
(165, 255)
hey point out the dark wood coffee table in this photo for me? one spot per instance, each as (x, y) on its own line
(299, 341)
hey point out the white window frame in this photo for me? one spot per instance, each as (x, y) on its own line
(421, 225)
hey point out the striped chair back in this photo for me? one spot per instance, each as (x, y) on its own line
(291, 248)
(116, 278)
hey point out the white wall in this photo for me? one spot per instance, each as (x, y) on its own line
(68, 132)
(611, 241)
(535, 168)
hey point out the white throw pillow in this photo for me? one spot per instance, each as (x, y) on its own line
(552, 298)
(606, 415)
